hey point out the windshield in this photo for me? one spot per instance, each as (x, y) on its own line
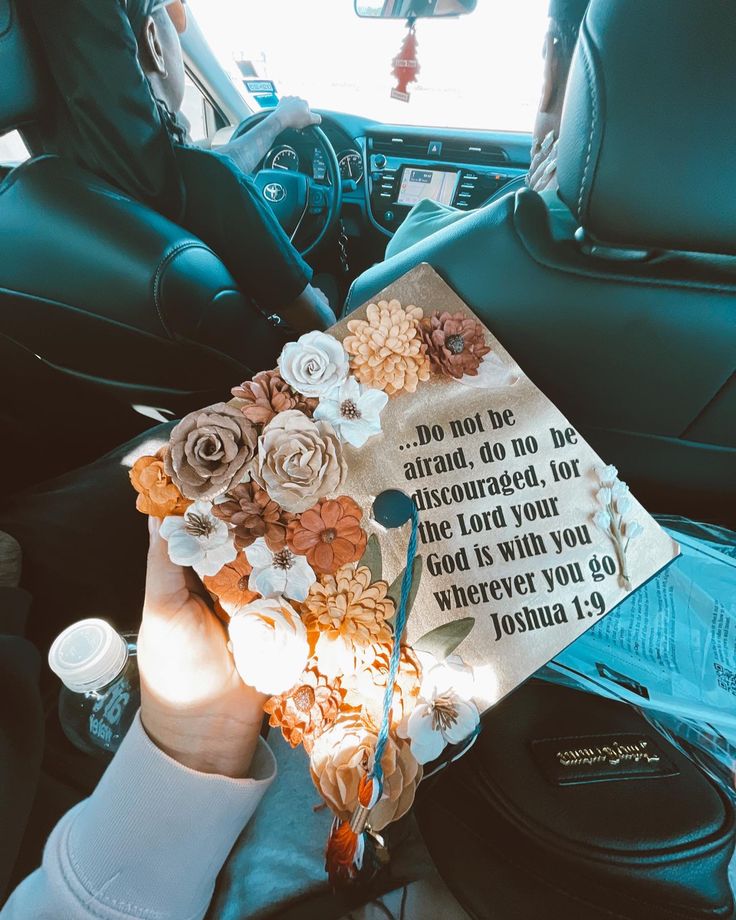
(482, 70)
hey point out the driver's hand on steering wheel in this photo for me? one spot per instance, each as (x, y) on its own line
(293, 112)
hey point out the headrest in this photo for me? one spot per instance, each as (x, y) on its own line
(21, 96)
(647, 146)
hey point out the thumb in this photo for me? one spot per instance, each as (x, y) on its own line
(164, 579)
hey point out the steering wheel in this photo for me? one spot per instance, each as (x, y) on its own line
(295, 198)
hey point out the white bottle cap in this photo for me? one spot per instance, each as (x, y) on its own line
(88, 655)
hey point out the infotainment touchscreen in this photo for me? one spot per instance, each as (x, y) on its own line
(417, 184)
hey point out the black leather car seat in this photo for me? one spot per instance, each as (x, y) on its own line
(630, 325)
(101, 297)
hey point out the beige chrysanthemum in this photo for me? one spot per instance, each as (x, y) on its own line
(305, 711)
(343, 754)
(387, 349)
(365, 686)
(345, 615)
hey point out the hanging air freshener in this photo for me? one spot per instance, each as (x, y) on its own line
(405, 64)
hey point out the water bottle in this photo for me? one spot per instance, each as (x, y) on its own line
(101, 693)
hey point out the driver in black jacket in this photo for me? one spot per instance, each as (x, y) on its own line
(119, 72)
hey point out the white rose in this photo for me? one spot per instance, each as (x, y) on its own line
(269, 645)
(314, 364)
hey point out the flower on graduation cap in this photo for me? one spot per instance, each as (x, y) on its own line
(343, 755)
(314, 364)
(614, 499)
(269, 644)
(365, 684)
(157, 494)
(329, 534)
(387, 349)
(445, 712)
(253, 514)
(305, 710)
(354, 411)
(456, 343)
(278, 574)
(344, 614)
(230, 585)
(199, 539)
(210, 450)
(266, 395)
(299, 461)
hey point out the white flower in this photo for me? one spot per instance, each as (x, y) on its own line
(492, 374)
(269, 645)
(314, 364)
(445, 712)
(621, 496)
(633, 530)
(353, 410)
(283, 573)
(608, 475)
(604, 496)
(602, 519)
(199, 539)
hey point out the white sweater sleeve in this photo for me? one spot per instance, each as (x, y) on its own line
(148, 843)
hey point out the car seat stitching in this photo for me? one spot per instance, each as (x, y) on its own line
(593, 121)
(162, 266)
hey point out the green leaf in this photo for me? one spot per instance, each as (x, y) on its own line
(372, 558)
(443, 640)
(394, 592)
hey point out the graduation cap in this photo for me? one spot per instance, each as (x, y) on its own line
(401, 529)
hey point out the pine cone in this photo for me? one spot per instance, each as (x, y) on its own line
(456, 343)
(267, 394)
(253, 514)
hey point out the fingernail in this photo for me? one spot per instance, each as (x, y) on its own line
(549, 168)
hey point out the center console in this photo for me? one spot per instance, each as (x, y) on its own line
(403, 169)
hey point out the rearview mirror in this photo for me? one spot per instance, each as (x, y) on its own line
(412, 9)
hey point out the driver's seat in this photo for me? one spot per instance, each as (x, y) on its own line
(105, 305)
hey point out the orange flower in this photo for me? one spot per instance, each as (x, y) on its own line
(157, 494)
(387, 348)
(342, 756)
(329, 534)
(366, 685)
(230, 585)
(311, 706)
(345, 614)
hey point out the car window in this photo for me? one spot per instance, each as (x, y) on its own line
(12, 149)
(194, 110)
(482, 70)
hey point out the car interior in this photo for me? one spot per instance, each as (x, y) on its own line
(624, 314)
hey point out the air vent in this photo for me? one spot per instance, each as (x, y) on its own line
(453, 151)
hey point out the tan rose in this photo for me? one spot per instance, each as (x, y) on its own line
(299, 461)
(342, 755)
(210, 450)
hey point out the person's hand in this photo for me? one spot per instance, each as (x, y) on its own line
(293, 112)
(194, 705)
(311, 310)
(543, 169)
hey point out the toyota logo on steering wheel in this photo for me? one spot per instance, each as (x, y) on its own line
(274, 192)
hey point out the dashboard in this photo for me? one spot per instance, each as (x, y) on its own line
(387, 169)
(284, 156)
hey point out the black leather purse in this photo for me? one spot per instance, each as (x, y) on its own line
(572, 806)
